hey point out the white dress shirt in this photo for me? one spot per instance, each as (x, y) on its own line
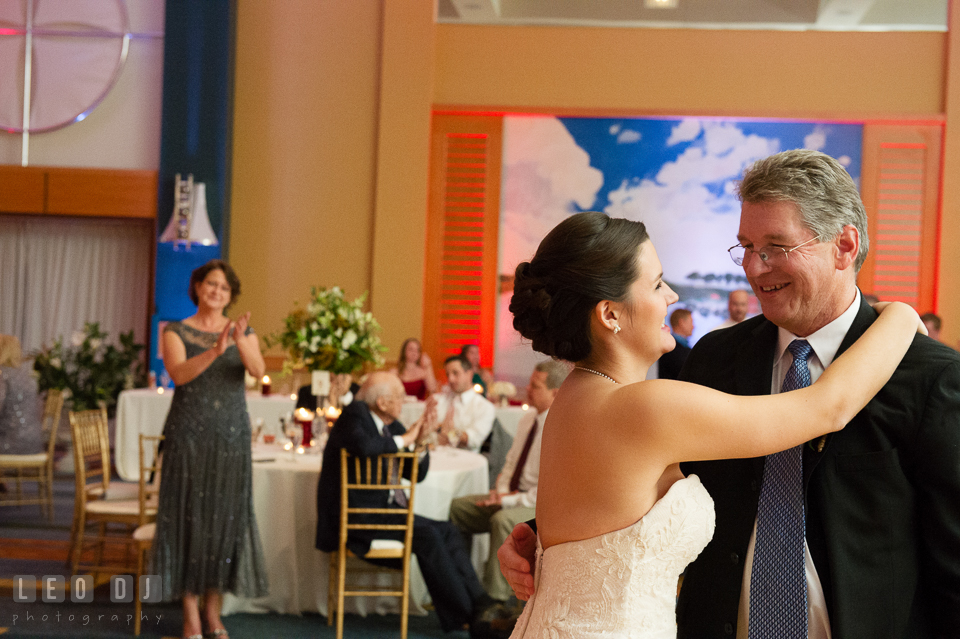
(527, 490)
(380, 426)
(825, 344)
(473, 415)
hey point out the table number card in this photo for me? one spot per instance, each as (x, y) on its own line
(320, 383)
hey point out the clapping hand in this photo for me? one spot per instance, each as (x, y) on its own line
(241, 326)
(223, 340)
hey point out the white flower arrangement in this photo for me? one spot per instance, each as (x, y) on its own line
(502, 389)
(330, 334)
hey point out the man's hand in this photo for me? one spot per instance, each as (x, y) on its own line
(517, 556)
(493, 499)
(412, 435)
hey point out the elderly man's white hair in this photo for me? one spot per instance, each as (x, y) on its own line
(378, 385)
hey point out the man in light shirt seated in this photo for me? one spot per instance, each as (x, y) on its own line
(515, 497)
(466, 417)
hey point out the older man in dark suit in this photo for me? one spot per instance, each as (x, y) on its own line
(369, 427)
(878, 552)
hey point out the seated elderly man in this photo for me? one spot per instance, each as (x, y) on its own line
(369, 427)
(514, 499)
(466, 417)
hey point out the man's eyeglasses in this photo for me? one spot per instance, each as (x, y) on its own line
(769, 255)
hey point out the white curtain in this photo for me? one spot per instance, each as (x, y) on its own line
(58, 273)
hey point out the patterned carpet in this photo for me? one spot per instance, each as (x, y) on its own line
(32, 546)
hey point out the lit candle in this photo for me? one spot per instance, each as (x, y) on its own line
(159, 390)
(265, 385)
(526, 406)
(293, 396)
(477, 388)
(287, 446)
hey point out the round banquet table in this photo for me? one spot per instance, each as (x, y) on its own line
(144, 410)
(284, 500)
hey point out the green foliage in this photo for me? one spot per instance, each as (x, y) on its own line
(89, 369)
(330, 334)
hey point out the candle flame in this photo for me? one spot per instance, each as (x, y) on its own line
(266, 379)
(478, 388)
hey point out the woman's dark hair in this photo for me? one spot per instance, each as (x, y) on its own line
(587, 258)
(200, 273)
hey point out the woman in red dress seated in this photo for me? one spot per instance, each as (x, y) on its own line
(415, 370)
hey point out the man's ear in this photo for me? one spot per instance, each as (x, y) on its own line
(847, 245)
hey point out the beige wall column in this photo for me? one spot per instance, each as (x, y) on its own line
(948, 293)
(403, 158)
(305, 126)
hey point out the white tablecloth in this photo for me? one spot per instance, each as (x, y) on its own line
(144, 410)
(508, 416)
(284, 500)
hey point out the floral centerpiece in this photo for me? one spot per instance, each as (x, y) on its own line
(330, 334)
(502, 391)
(90, 370)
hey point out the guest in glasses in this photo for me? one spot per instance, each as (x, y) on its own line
(848, 535)
(415, 370)
(207, 541)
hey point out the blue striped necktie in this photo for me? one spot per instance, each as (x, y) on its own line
(778, 583)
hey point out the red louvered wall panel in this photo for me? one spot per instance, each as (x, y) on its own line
(900, 187)
(460, 282)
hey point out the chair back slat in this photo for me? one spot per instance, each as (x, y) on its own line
(90, 449)
(52, 408)
(151, 462)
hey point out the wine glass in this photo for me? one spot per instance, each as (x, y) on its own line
(256, 429)
(295, 433)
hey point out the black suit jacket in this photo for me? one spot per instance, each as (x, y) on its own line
(670, 364)
(356, 431)
(882, 496)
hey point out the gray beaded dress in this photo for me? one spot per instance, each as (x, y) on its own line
(20, 414)
(207, 534)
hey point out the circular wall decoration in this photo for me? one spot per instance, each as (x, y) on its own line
(58, 60)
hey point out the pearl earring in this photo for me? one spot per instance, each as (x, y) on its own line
(616, 329)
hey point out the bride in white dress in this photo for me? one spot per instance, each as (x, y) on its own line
(616, 520)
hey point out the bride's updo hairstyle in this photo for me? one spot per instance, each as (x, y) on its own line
(587, 258)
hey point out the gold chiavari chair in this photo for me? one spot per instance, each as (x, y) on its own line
(92, 470)
(37, 467)
(373, 473)
(150, 464)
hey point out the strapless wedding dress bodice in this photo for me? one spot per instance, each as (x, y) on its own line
(622, 583)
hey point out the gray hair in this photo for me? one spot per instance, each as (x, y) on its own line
(821, 188)
(556, 372)
(375, 387)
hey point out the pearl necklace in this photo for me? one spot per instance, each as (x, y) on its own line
(590, 370)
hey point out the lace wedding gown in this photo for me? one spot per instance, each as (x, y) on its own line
(622, 583)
